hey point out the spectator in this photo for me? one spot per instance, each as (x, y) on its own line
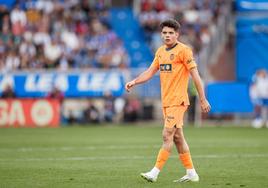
(8, 92)
(71, 118)
(259, 96)
(18, 20)
(131, 110)
(12, 61)
(91, 114)
(53, 52)
(56, 93)
(109, 110)
(27, 52)
(192, 97)
(119, 104)
(3, 12)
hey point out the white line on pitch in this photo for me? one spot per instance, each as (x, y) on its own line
(111, 147)
(96, 158)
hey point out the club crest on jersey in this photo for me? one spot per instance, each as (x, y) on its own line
(171, 57)
(166, 67)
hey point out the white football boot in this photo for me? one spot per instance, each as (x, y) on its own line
(151, 176)
(191, 175)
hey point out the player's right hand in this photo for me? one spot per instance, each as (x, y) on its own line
(129, 85)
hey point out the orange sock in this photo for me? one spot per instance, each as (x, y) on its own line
(161, 158)
(186, 160)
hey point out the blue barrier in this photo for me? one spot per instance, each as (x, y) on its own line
(232, 97)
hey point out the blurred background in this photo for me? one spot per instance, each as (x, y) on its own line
(65, 62)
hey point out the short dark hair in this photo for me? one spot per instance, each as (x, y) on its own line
(170, 23)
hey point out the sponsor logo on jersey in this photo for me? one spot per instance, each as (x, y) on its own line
(166, 67)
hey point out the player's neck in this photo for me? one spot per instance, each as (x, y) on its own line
(169, 47)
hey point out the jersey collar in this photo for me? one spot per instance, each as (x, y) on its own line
(170, 48)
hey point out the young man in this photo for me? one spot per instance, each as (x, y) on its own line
(175, 62)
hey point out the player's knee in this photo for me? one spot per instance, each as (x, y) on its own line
(167, 138)
(177, 138)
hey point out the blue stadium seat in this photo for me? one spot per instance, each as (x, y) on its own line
(128, 29)
(7, 3)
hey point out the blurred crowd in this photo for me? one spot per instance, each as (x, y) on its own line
(198, 19)
(39, 34)
(107, 110)
(62, 34)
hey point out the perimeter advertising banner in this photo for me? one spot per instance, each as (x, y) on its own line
(252, 5)
(72, 84)
(29, 113)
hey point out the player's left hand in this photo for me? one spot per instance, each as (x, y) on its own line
(205, 106)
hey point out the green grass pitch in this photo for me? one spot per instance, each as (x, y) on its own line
(114, 156)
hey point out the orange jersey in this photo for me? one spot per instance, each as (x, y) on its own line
(174, 65)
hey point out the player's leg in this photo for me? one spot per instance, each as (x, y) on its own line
(185, 157)
(164, 152)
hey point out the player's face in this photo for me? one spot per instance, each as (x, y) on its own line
(169, 36)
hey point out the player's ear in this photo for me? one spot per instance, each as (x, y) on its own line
(177, 34)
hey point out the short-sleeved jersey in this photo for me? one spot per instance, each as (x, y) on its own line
(174, 65)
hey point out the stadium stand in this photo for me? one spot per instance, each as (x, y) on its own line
(126, 26)
(80, 37)
(87, 39)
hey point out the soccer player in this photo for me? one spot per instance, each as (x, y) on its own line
(175, 62)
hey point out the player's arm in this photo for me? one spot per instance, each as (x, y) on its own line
(143, 77)
(205, 106)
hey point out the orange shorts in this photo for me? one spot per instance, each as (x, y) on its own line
(173, 116)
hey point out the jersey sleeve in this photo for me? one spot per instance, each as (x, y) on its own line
(188, 59)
